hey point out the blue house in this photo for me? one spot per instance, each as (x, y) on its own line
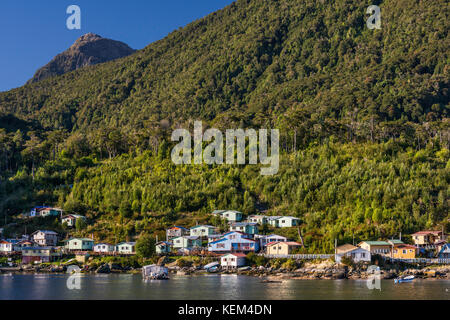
(444, 253)
(234, 242)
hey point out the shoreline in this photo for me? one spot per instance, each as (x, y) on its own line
(276, 275)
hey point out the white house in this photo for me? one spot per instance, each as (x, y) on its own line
(232, 260)
(259, 219)
(103, 248)
(230, 215)
(355, 253)
(283, 221)
(45, 238)
(265, 239)
(71, 219)
(126, 248)
(202, 231)
(6, 246)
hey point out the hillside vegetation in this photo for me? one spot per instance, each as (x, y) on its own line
(363, 116)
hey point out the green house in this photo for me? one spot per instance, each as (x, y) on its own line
(81, 244)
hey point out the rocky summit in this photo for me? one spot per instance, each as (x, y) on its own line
(89, 49)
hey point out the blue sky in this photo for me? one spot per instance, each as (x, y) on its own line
(33, 32)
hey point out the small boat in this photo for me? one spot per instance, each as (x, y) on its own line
(212, 267)
(404, 279)
(155, 272)
(271, 281)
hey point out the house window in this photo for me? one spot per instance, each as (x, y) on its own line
(404, 251)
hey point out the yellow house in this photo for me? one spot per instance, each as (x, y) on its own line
(377, 247)
(404, 251)
(282, 248)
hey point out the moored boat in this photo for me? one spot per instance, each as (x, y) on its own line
(404, 279)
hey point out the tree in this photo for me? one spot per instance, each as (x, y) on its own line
(145, 246)
(80, 224)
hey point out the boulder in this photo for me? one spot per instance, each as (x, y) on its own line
(104, 268)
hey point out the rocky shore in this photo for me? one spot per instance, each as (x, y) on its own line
(325, 270)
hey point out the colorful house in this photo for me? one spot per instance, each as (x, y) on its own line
(23, 244)
(176, 231)
(40, 254)
(245, 227)
(6, 246)
(79, 244)
(234, 242)
(126, 248)
(104, 248)
(71, 219)
(282, 248)
(44, 211)
(283, 221)
(444, 252)
(403, 251)
(233, 260)
(377, 247)
(265, 239)
(187, 242)
(355, 253)
(202, 231)
(45, 238)
(163, 247)
(427, 237)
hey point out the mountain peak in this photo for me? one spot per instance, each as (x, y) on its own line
(89, 49)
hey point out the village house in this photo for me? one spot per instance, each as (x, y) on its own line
(71, 219)
(355, 253)
(427, 238)
(230, 215)
(6, 246)
(40, 254)
(187, 242)
(23, 244)
(104, 248)
(245, 227)
(45, 238)
(403, 251)
(214, 237)
(176, 231)
(233, 260)
(126, 248)
(79, 244)
(444, 252)
(46, 212)
(234, 241)
(202, 231)
(283, 221)
(163, 247)
(265, 239)
(282, 248)
(259, 219)
(377, 247)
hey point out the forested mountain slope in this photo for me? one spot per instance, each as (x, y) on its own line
(363, 116)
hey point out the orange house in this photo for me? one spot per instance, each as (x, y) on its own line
(404, 251)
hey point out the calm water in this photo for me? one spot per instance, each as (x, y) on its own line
(209, 287)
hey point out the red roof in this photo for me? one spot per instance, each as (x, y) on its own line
(400, 246)
(426, 232)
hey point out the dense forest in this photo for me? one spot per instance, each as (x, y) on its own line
(363, 116)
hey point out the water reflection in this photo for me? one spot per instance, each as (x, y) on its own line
(209, 287)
